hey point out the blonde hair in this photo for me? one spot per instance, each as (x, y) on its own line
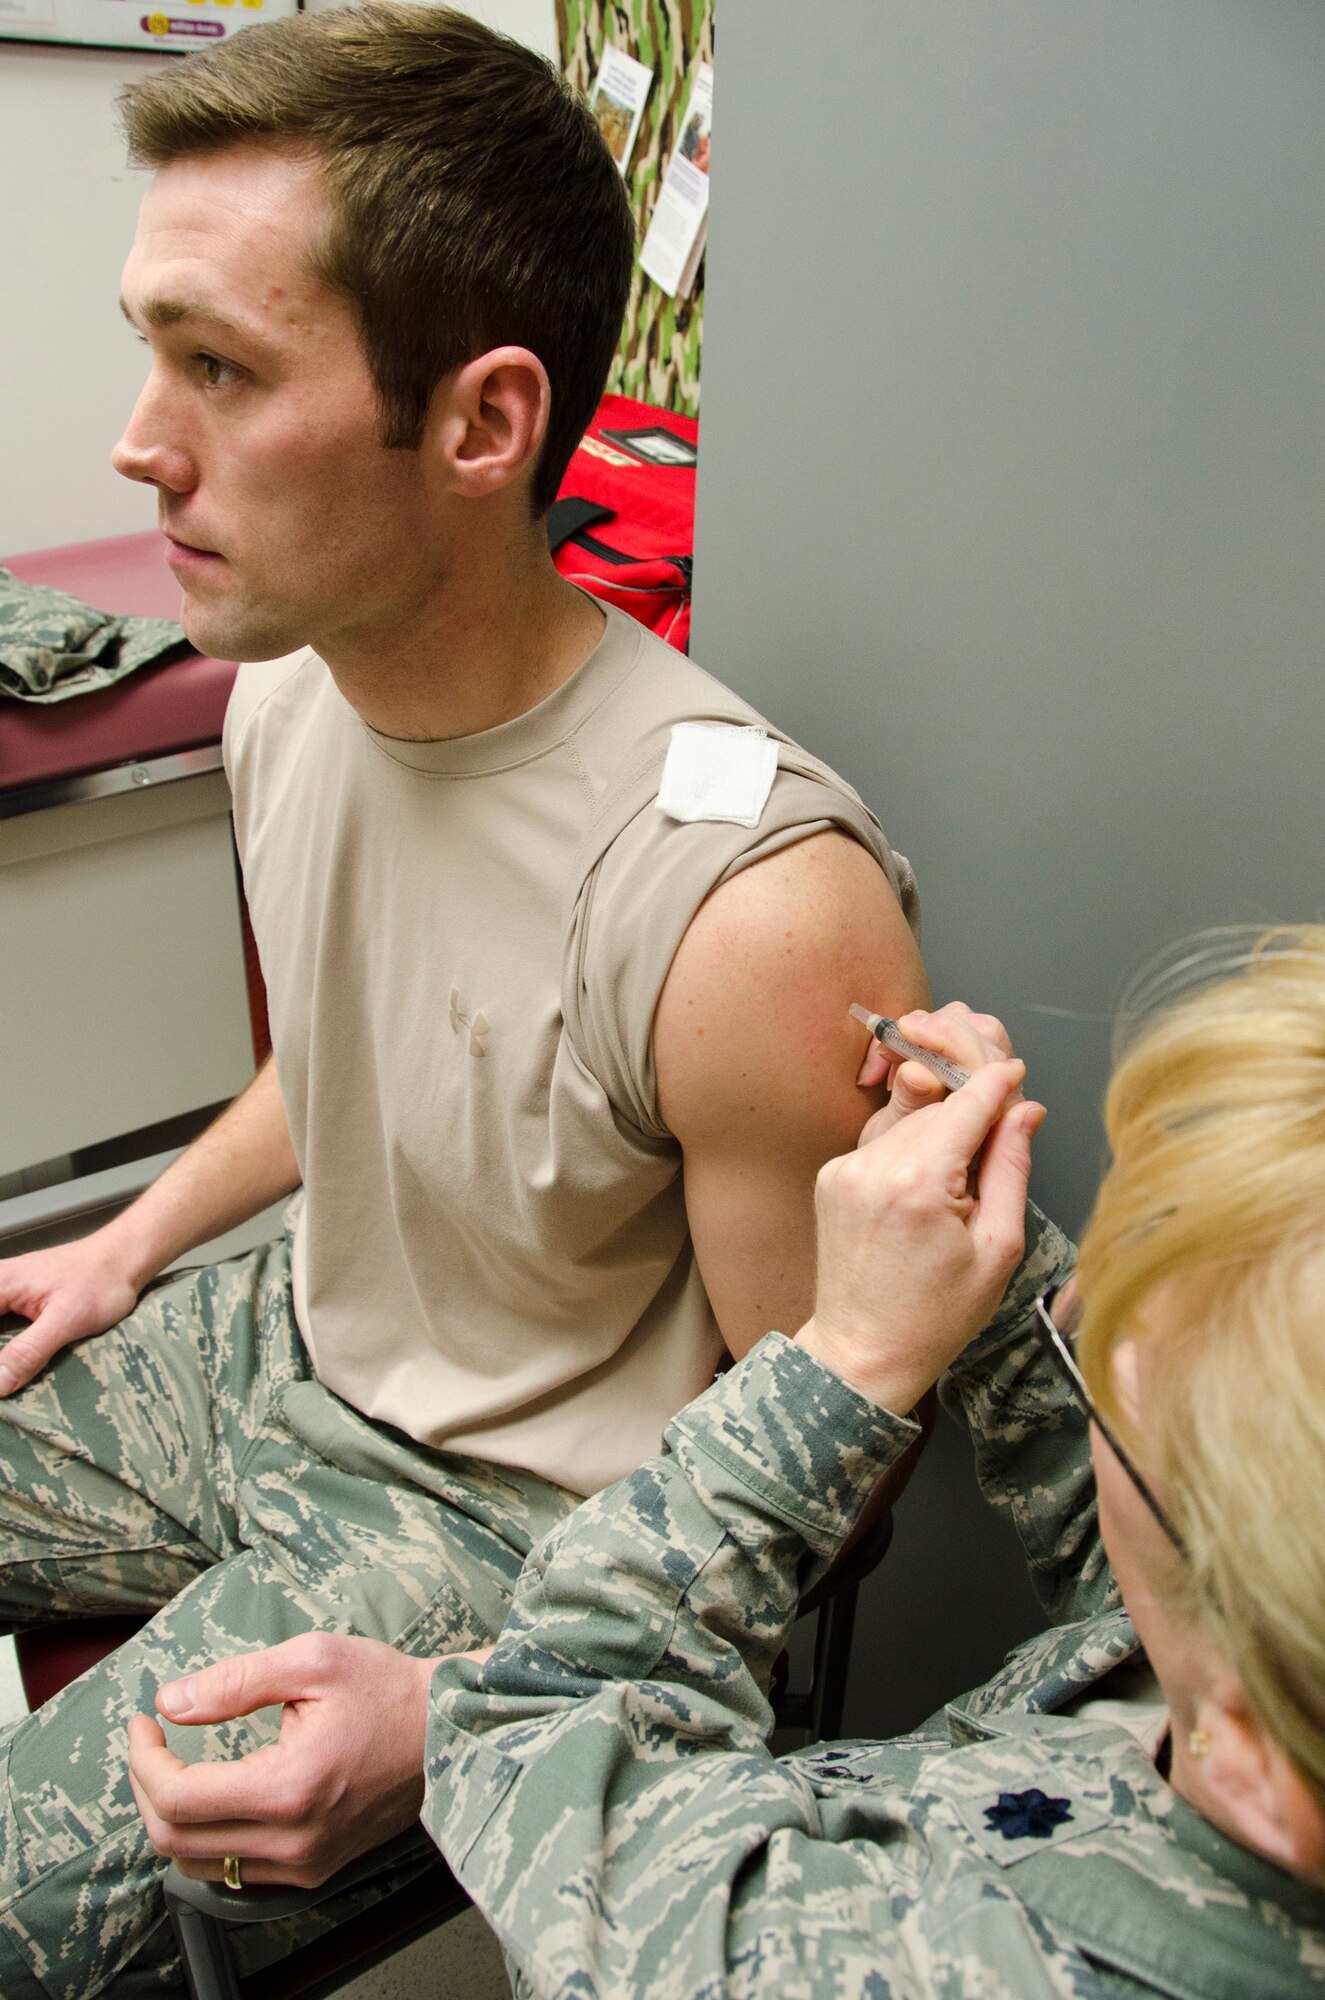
(1216, 1196)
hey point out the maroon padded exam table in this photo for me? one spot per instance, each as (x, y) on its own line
(160, 724)
(161, 711)
(120, 911)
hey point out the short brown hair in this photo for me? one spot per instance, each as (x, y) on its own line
(474, 202)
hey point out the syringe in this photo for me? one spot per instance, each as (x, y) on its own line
(888, 1032)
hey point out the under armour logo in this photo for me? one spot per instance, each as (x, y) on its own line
(478, 1027)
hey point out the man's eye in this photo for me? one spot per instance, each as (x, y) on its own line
(215, 373)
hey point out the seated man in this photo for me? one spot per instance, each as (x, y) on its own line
(1135, 1804)
(556, 1059)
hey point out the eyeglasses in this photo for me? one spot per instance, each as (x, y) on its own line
(1059, 1342)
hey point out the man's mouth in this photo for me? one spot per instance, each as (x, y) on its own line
(186, 551)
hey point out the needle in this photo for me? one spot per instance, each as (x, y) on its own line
(888, 1032)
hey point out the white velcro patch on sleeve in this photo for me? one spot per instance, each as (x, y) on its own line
(717, 770)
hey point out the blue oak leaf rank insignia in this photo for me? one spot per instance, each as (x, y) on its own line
(1027, 1815)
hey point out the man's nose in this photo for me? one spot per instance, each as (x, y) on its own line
(147, 450)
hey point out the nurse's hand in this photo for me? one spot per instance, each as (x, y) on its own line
(970, 1040)
(919, 1231)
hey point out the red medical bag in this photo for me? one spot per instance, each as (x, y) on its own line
(623, 524)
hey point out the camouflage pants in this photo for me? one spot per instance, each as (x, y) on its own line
(188, 1460)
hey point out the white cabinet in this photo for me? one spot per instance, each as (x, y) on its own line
(125, 993)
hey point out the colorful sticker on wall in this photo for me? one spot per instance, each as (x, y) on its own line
(179, 25)
(620, 92)
(674, 243)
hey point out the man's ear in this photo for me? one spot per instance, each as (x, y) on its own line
(488, 421)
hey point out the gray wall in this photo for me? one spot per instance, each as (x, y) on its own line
(1011, 498)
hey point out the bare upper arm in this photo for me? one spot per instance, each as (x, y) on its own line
(756, 1060)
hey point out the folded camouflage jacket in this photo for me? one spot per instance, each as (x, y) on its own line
(53, 646)
(603, 1790)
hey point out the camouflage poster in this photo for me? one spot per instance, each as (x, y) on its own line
(658, 360)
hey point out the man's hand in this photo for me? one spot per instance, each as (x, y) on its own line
(67, 1293)
(919, 1232)
(345, 1774)
(230, 1172)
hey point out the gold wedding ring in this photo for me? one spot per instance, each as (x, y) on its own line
(230, 1872)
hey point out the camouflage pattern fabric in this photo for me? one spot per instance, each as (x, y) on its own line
(658, 357)
(53, 646)
(603, 1790)
(188, 1459)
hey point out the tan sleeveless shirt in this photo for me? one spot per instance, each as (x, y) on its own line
(464, 943)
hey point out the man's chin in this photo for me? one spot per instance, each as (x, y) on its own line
(228, 634)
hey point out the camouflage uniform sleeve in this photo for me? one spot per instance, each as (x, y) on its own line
(572, 1780)
(1032, 1448)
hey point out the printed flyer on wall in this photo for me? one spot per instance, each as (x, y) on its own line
(675, 240)
(620, 92)
(167, 25)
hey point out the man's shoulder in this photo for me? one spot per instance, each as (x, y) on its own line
(663, 722)
(654, 688)
(689, 678)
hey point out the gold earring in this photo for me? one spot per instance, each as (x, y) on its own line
(1200, 1742)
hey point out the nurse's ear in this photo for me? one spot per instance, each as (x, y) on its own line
(1244, 1781)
